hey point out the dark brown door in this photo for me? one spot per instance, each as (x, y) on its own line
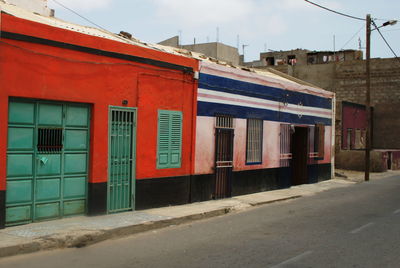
(300, 156)
(223, 162)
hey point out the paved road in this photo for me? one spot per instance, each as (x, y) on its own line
(356, 226)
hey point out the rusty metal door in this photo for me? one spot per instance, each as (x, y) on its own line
(223, 162)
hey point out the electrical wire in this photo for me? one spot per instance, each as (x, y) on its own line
(334, 11)
(351, 39)
(98, 26)
(79, 15)
(384, 39)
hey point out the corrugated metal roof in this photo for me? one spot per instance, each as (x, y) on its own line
(54, 22)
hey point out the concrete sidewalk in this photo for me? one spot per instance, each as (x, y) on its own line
(82, 231)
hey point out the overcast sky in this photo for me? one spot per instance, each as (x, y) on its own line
(261, 24)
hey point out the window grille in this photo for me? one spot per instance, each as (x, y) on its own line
(320, 140)
(313, 143)
(50, 140)
(254, 140)
(285, 145)
(224, 121)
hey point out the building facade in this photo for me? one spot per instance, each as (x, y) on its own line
(216, 50)
(94, 123)
(258, 132)
(347, 79)
(88, 120)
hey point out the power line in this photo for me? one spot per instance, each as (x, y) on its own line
(384, 39)
(98, 26)
(351, 39)
(79, 15)
(334, 11)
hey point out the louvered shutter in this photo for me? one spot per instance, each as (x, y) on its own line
(169, 139)
(176, 139)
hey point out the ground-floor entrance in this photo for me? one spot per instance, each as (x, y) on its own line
(121, 176)
(47, 160)
(300, 156)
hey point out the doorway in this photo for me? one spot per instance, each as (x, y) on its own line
(47, 160)
(223, 156)
(121, 159)
(300, 156)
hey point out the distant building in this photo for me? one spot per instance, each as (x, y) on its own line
(343, 73)
(215, 50)
(36, 6)
(303, 57)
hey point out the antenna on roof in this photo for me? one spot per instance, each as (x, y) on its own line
(217, 34)
(180, 38)
(265, 47)
(244, 46)
(237, 42)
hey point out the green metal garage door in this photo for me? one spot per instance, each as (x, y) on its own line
(47, 160)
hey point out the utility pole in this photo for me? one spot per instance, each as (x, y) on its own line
(368, 101)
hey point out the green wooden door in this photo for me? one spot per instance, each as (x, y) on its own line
(47, 160)
(121, 159)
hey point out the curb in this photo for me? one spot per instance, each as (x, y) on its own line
(60, 241)
(275, 200)
(90, 237)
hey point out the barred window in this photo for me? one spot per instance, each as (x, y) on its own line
(254, 141)
(319, 138)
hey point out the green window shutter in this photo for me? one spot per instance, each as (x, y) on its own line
(169, 139)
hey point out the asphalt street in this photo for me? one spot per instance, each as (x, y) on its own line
(354, 226)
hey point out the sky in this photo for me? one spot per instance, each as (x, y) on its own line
(263, 25)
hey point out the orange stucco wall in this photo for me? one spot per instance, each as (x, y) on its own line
(36, 71)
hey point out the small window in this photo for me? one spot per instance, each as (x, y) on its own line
(358, 139)
(291, 59)
(50, 140)
(169, 146)
(319, 139)
(270, 61)
(349, 139)
(254, 141)
(224, 121)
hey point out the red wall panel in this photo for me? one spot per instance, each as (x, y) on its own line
(43, 72)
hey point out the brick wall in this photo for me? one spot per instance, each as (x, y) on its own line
(347, 80)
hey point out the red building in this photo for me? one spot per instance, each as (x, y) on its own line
(354, 126)
(85, 113)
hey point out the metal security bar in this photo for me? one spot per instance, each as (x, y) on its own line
(285, 145)
(312, 144)
(224, 163)
(50, 140)
(254, 140)
(224, 121)
(223, 157)
(121, 160)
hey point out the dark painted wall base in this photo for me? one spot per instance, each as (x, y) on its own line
(97, 199)
(152, 193)
(202, 187)
(324, 172)
(313, 173)
(253, 181)
(2, 209)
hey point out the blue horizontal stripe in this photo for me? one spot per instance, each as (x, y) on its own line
(232, 86)
(213, 109)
